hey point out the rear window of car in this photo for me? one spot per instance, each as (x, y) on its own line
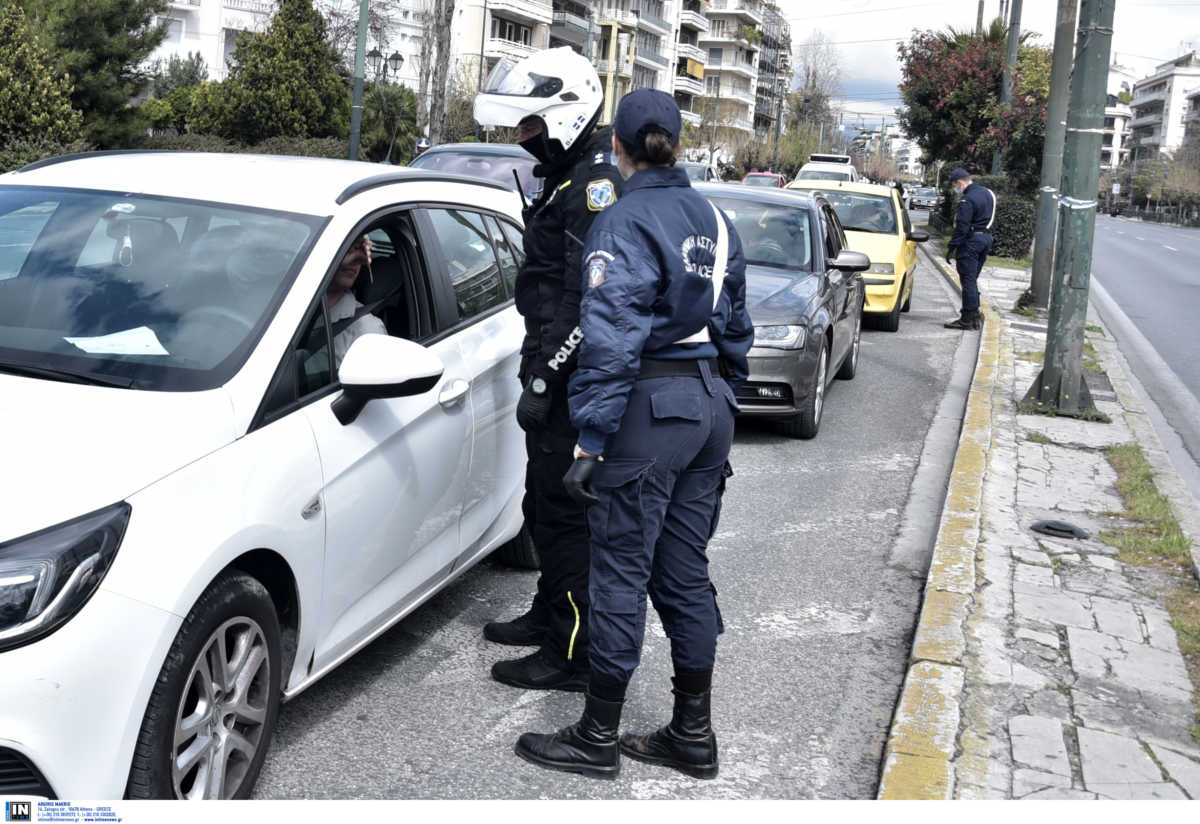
(821, 174)
(772, 235)
(497, 167)
(761, 180)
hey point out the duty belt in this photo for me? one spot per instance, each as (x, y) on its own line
(666, 368)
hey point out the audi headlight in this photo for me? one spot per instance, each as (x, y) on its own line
(779, 337)
(882, 268)
(46, 577)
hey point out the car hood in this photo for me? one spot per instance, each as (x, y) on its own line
(776, 297)
(879, 248)
(70, 449)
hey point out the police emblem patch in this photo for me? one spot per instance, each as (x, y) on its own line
(600, 195)
(596, 269)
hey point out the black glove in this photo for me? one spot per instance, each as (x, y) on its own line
(534, 407)
(950, 255)
(578, 481)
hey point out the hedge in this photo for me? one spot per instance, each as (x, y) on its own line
(1016, 213)
(296, 146)
(15, 153)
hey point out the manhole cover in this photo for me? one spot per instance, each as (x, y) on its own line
(1059, 529)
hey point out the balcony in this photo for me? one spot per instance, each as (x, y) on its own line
(686, 84)
(523, 10)
(255, 6)
(748, 10)
(726, 38)
(690, 117)
(1142, 98)
(742, 123)
(693, 20)
(651, 23)
(653, 59)
(605, 67)
(1150, 119)
(498, 47)
(571, 22)
(687, 51)
(742, 96)
(739, 69)
(187, 5)
(626, 19)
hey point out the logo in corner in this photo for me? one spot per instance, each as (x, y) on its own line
(597, 267)
(600, 195)
(18, 810)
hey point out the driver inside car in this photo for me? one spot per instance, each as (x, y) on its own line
(342, 305)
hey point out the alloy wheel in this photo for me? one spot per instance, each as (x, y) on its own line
(222, 714)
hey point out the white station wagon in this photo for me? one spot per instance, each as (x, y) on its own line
(201, 512)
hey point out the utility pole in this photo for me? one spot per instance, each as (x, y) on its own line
(780, 86)
(360, 60)
(1061, 386)
(979, 19)
(1052, 153)
(1010, 64)
(712, 144)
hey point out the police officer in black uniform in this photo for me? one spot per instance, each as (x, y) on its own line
(554, 98)
(970, 243)
(663, 319)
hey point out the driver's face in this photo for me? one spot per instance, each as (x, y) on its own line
(358, 255)
(529, 127)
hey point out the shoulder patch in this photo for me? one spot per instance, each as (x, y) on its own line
(600, 195)
(597, 267)
(603, 158)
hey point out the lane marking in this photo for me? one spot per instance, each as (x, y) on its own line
(1172, 248)
(1141, 238)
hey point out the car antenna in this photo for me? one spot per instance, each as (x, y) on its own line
(520, 191)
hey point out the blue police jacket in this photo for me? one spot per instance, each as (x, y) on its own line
(976, 213)
(647, 285)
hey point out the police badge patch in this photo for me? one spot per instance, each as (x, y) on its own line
(600, 195)
(596, 269)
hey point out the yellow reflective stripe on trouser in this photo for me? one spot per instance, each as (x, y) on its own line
(575, 631)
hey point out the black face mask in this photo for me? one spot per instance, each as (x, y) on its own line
(544, 150)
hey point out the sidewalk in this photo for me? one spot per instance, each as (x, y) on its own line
(1047, 667)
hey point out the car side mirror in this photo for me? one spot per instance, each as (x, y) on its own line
(918, 236)
(848, 261)
(380, 366)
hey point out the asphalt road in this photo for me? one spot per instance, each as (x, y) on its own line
(818, 626)
(1151, 273)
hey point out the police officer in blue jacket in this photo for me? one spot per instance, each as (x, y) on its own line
(665, 337)
(970, 243)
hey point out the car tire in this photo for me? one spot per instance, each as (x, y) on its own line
(849, 365)
(891, 321)
(520, 552)
(808, 422)
(234, 612)
(908, 302)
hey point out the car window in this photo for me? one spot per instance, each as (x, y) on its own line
(470, 260)
(864, 213)
(497, 167)
(516, 241)
(18, 229)
(314, 369)
(760, 180)
(771, 235)
(110, 286)
(833, 240)
(504, 252)
(819, 174)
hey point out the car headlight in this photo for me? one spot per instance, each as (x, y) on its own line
(882, 268)
(779, 337)
(46, 577)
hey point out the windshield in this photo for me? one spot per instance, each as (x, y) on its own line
(926, 193)
(488, 166)
(821, 174)
(695, 171)
(863, 213)
(772, 235)
(761, 180)
(164, 293)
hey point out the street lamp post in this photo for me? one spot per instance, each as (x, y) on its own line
(356, 100)
(380, 69)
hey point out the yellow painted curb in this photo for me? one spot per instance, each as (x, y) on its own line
(919, 760)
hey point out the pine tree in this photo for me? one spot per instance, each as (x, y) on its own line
(102, 45)
(283, 82)
(35, 101)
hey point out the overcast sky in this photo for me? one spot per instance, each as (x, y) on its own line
(1145, 33)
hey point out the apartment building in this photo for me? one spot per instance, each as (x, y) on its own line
(1116, 144)
(774, 69)
(210, 28)
(731, 73)
(487, 31)
(690, 59)
(1191, 119)
(1159, 104)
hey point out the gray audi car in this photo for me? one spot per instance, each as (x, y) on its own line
(804, 295)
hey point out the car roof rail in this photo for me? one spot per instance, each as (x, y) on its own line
(409, 176)
(67, 158)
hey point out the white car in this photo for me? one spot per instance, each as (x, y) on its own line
(202, 513)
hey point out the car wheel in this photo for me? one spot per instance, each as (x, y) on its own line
(806, 424)
(520, 552)
(210, 717)
(891, 321)
(850, 363)
(908, 301)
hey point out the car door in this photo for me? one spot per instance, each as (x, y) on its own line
(393, 482)
(909, 254)
(838, 286)
(480, 266)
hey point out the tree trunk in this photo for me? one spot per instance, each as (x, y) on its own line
(443, 19)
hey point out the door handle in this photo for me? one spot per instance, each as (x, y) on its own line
(453, 393)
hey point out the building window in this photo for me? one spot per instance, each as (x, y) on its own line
(712, 85)
(174, 30)
(714, 57)
(508, 30)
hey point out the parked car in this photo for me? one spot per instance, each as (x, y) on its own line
(767, 179)
(828, 167)
(805, 297)
(877, 224)
(925, 197)
(204, 513)
(490, 161)
(699, 172)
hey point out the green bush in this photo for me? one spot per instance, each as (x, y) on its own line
(303, 147)
(17, 153)
(1016, 220)
(190, 143)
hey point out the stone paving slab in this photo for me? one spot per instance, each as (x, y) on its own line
(1071, 683)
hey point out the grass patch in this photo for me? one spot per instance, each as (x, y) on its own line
(1033, 356)
(1035, 407)
(1091, 327)
(1026, 311)
(1091, 360)
(1009, 263)
(1157, 534)
(1184, 606)
(1037, 437)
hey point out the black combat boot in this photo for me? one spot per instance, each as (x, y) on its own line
(540, 671)
(963, 321)
(687, 744)
(529, 630)
(588, 747)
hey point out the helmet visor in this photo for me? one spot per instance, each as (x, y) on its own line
(508, 79)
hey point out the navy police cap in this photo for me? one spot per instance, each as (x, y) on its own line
(647, 110)
(959, 174)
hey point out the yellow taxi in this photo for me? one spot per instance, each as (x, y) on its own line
(876, 224)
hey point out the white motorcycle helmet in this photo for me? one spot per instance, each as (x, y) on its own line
(558, 85)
